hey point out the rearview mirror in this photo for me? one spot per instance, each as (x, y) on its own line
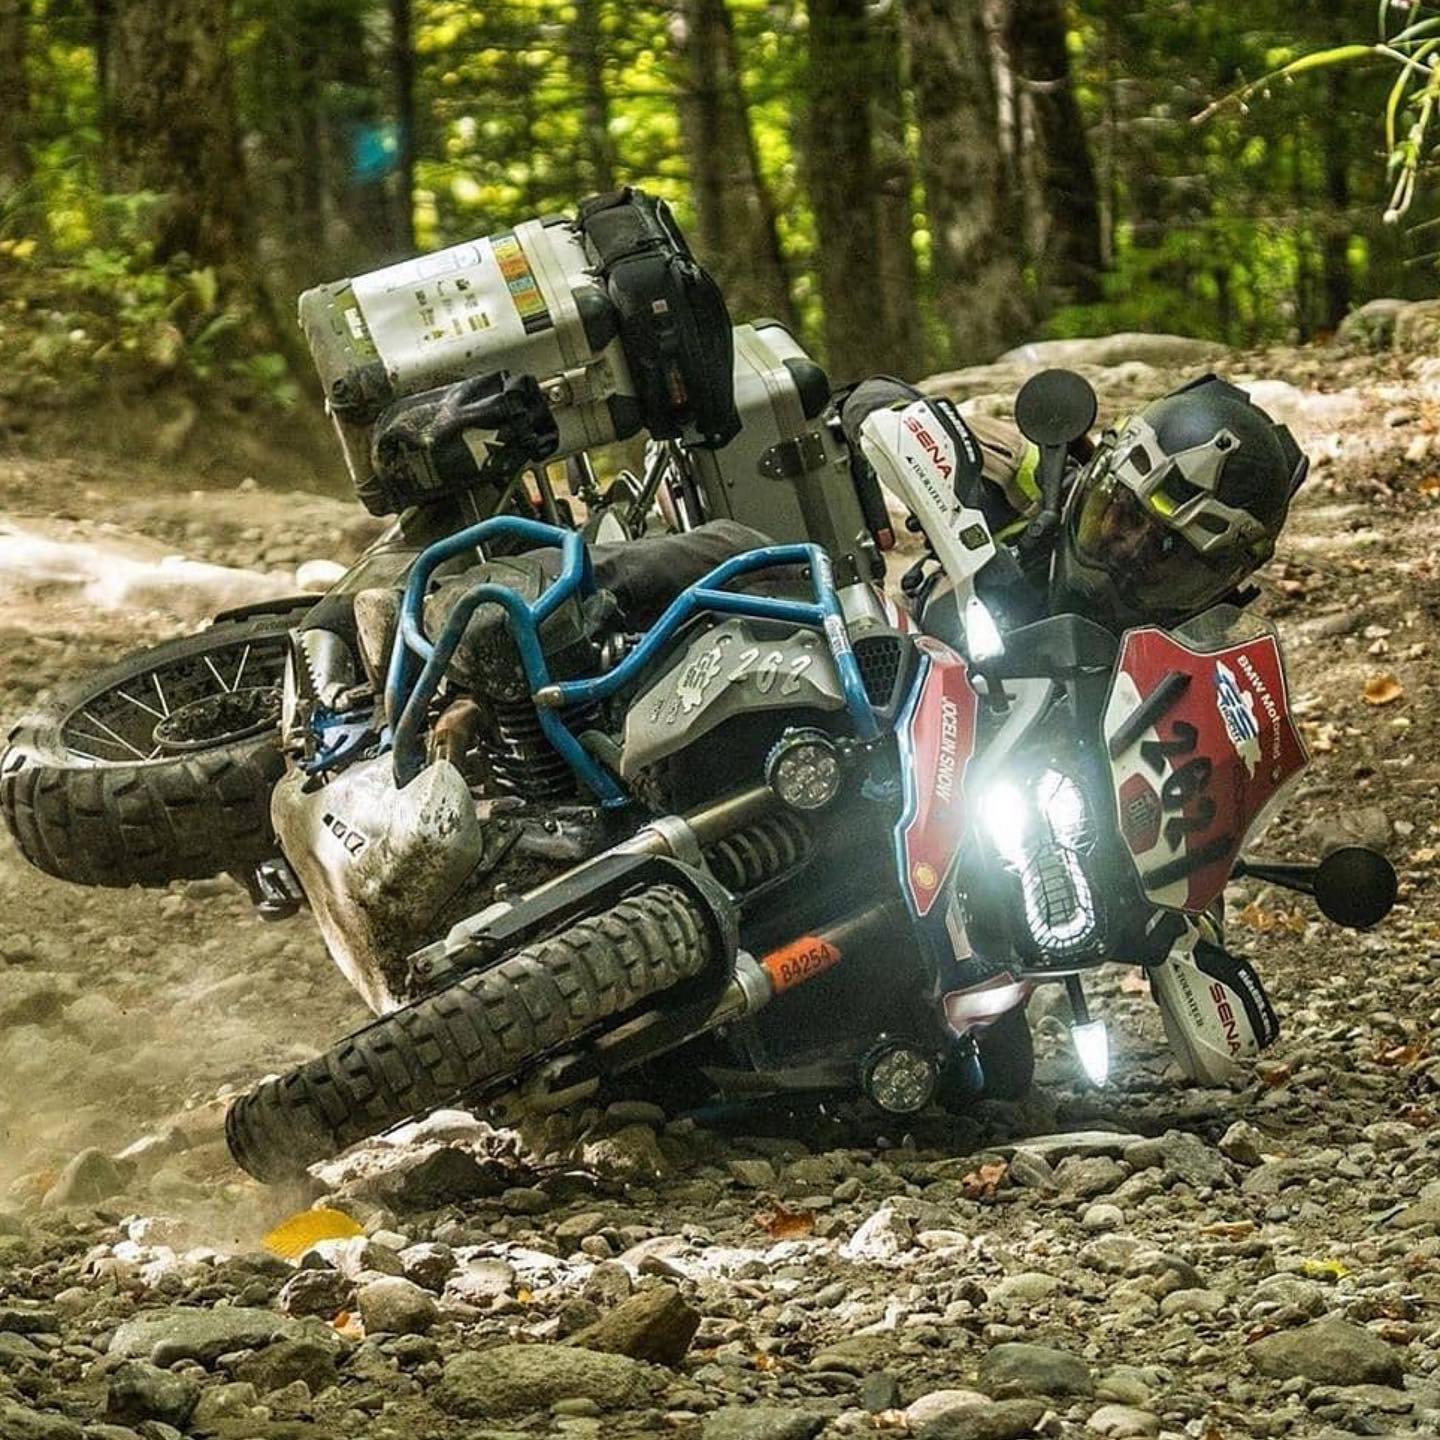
(1055, 407)
(1355, 886)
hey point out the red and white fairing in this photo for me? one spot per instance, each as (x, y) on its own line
(1198, 779)
(937, 735)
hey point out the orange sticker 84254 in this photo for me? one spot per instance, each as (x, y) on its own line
(799, 961)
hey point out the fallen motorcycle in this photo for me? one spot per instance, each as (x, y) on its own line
(802, 841)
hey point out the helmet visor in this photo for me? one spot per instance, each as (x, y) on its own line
(1155, 569)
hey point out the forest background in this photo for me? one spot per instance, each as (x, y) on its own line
(912, 184)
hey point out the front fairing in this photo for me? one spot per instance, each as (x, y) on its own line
(1201, 749)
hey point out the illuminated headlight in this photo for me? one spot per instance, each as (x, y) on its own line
(899, 1078)
(1004, 813)
(1040, 833)
(804, 770)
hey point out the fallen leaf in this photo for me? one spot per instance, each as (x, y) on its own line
(982, 1184)
(1382, 690)
(348, 1325)
(524, 1296)
(293, 1237)
(1273, 1073)
(762, 1361)
(1230, 1229)
(1134, 982)
(1403, 1057)
(783, 1224)
(1430, 485)
(1324, 1269)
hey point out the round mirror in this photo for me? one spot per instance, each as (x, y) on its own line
(1355, 886)
(1055, 407)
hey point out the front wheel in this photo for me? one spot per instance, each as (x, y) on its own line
(158, 767)
(474, 1035)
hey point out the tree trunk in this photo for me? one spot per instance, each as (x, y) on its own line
(841, 175)
(170, 123)
(900, 350)
(402, 64)
(595, 100)
(1072, 257)
(738, 237)
(15, 104)
(974, 219)
(1337, 210)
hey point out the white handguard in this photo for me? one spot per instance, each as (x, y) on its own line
(1216, 1012)
(917, 451)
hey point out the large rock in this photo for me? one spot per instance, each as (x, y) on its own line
(90, 1177)
(30, 999)
(885, 1235)
(999, 1420)
(1165, 351)
(655, 1325)
(1422, 1215)
(761, 1422)
(138, 1392)
(397, 1306)
(1372, 326)
(632, 1153)
(1329, 1352)
(522, 1379)
(323, 1293)
(426, 1179)
(19, 1422)
(1417, 326)
(287, 1361)
(1034, 1370)
(181, 1333)
(1053, 1148)
(1182, 1156)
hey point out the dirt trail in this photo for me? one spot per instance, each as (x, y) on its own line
(123, 1013)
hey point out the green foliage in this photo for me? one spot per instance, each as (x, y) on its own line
(1261, 223)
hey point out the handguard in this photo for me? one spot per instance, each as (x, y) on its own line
(1216, 1012)
(919, 452)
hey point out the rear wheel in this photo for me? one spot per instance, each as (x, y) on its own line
(158, 767)
(474, 1035)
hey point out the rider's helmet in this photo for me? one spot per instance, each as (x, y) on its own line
(1175, 508)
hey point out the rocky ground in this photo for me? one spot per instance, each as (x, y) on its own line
(1146, 1260)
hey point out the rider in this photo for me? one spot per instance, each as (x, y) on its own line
(1168, 515)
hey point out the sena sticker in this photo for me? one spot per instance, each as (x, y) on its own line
(1237, 710)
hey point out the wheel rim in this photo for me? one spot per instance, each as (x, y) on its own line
(195, 702)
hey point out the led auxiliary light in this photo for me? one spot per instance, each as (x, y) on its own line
(899, 1077)
(1092, 1049)
(1090, 1038)
(804, 770)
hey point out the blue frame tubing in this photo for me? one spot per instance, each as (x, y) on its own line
(407, 713)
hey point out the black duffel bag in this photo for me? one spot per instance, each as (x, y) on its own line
(674, 324)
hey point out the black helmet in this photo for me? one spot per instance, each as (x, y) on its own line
(1175, 508)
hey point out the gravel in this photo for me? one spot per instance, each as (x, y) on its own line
(1153, 1260)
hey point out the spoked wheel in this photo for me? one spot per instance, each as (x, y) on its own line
(159, 767)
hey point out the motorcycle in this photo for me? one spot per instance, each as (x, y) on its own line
(788, 837)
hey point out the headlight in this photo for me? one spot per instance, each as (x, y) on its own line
(1041, 832)
(1003, 811)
